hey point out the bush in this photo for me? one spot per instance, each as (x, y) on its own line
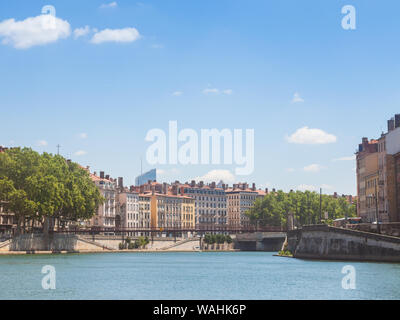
(228, 239)
(121, 246)
(285, 253)
(131, 246)
(220, 238)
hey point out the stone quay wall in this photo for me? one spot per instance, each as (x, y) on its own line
(330, 243)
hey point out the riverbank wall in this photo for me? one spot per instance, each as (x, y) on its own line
(66, 243)
(329, 243)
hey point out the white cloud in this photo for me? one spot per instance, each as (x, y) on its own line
(41, 143)
(116, 35)
(211, 90)
(305, 187)
(326, 186)
(33, 31)
(80, 153)
(80, 32)
(217, 175)
(307, 135)
(177, 93)
(290, 170)
(109, 5)
(313, 168)
(297, 98)
(83, 135)
(217, 91)
(345, 158)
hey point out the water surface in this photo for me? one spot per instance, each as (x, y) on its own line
(197, 275)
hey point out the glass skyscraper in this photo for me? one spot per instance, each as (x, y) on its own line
(145, 177)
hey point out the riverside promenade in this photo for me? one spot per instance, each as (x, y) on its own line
(69, 243)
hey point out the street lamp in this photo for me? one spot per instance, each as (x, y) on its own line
(375, 197)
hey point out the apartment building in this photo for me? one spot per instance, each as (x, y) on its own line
(106, 213)
(392, 139)
(367, 176)
(241, 198)
(210, 204)
(144, 213)
(378, 179)
(170, 211)
(128, 216)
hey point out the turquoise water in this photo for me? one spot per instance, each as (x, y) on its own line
(239, 275)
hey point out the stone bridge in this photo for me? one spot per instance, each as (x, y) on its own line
(260, 241)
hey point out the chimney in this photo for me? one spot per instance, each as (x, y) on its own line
(175, 190)
(253, 187)
(273, 189)
(102, 174)
(201, 184)
(212, 185)
(390, 124)
(141, 189)
(120, 182)
(95, 173)
(193, 183)
(397, 120)
(107, 176)
(266, 190)
(164, 188)
(132, 188)
(149, 181)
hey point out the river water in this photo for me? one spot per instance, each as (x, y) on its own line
(196, 275)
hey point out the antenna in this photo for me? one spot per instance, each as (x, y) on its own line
(141, 171)
(58, 149)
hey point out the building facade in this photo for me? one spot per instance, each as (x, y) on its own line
(393, 169)
(105, 216)
(241, 198)
(378, 180)
(210, 205)
(128, 216)
(169, 212)
(367, 173)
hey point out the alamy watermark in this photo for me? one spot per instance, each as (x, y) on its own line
(49, 280)
(197, 151)
(349, 280)
(349, 20)
(49, 17)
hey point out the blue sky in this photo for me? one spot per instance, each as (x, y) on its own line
(98, 100)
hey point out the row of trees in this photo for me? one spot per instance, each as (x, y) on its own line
(217, 238)
(274, 208)
(45, 188)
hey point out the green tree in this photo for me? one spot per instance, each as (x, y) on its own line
(45, 187)
(274, 208)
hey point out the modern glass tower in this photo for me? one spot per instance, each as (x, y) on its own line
(145, 177)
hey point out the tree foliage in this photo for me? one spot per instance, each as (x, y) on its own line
(45, 187)
(273, 209)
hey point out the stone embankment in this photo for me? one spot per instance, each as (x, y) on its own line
(330, 243)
